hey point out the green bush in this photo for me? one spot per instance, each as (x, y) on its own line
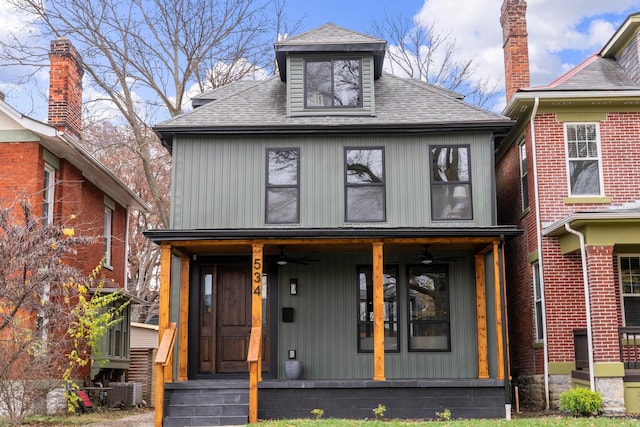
(581, 401)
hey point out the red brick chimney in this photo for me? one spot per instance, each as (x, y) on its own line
(65, 87)
(513, 19)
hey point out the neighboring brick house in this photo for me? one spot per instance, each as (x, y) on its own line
(45, 163)
(567, 174)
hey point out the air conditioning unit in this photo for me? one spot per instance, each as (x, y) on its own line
(124, 395)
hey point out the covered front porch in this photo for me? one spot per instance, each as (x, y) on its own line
(347, 305)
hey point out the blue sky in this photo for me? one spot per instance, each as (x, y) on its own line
(562, 33)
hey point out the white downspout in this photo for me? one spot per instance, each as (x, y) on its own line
(545, 347)
(587, 301)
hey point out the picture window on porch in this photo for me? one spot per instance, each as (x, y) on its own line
(333, 83)
(118, 336)
(283, 186)
(630, 284)
(428, 291)
(365, 185)
(583, 159)
(365, 309)
(450, 183)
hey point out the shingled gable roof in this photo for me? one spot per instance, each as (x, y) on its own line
(330, 38)
(402, 105)
(595, 73)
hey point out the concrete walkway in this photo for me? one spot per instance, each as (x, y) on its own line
(140, 420)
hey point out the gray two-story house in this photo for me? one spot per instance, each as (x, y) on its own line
(333, 245)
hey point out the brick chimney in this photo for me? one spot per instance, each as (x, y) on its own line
(513, 19)
(65, 87)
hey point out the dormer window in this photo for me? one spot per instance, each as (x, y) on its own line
(333, 83)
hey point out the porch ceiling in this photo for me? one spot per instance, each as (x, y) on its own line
(239, 242)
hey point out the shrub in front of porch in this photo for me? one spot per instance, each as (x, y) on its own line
(581, 401)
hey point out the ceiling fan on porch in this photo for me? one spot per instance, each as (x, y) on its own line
(427, 257)
(283, 259)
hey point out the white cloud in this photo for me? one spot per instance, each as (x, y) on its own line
(561, 33)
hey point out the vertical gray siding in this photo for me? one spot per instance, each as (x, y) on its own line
(324, 331)
(222, 180)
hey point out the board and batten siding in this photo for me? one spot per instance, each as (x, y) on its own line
(221, 184)
(324, 331)
(295, 87)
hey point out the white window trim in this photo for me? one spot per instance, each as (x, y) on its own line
(523, 174)
(108, 233)
(599, 159)
(538, 334)
(622, 294)
(49, 193)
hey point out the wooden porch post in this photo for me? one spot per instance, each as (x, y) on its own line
(163, 324)
(255, 375)
(183, 328)
(481, 314)
(378, 313)
(497, 292)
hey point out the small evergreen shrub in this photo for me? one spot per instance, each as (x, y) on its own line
(581, 401)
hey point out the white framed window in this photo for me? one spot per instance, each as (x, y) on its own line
(524, 175)
(109, 207)
(629, 274)
(537, 298)
(584, 165)
(48, 196)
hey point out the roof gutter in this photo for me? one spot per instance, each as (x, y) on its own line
(545, 93)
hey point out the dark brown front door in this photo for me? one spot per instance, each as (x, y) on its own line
(225, 321)
(234, 319)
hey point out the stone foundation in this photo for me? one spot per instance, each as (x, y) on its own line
(558, 384)
(530, 392)
(612, 391)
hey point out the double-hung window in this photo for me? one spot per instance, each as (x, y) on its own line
(365, 306)
(333, 83)
(365, 185)
(109, 207)
(450, 183)
(283, 186)
(629, 274)
(537, 295)
(428, 297)
(583, 159)
(48, 194)
(524, 176)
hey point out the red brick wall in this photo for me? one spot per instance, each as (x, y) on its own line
(563, 278)
(24, 177)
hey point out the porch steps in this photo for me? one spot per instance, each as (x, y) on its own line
(206, 403)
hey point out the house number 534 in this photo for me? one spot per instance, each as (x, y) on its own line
(257, 276)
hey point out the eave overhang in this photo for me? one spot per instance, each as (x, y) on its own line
(66, 146)
(377, 49)
(605, 228)
(521, 104)
(622, 36)
(167, 133)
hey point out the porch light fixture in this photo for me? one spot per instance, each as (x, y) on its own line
(293, 286)
(282, 258)
(426, 257)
